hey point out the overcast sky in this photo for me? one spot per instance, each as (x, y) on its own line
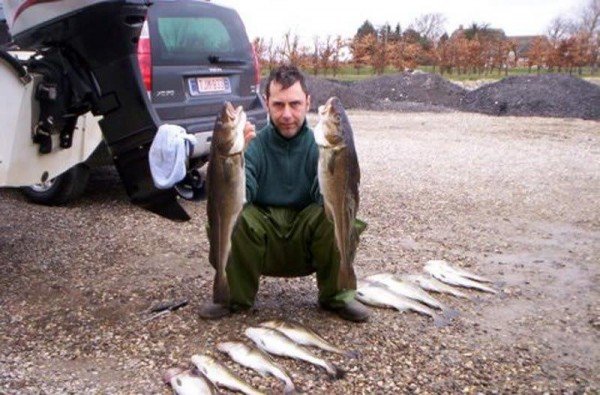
(309, 18)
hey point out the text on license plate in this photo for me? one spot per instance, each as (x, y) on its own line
(204, 85)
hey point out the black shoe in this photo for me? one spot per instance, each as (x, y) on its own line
(212, 311)
(352, 311)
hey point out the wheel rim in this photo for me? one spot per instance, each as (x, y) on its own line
(43, 186)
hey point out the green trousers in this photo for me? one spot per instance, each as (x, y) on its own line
(282, 242)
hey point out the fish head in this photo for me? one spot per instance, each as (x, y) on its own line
(228, 133)
(172, 373)
(256, 333)
(274, 324)
(203, 363)
(226, 347)
(333, 124)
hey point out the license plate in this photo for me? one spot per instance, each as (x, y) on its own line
(208, 85)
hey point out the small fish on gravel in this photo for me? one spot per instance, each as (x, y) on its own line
(446, 274)
(306, 336)
(277, 343)
(407, 289)
(186, 382)
(431, 284)
(257, 360)
(221, 375)
(461, 272)
(374, 295)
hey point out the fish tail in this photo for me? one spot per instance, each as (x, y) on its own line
(352, 354)
(334, 372)
(346, 276)
(488, 289)
(221, 289)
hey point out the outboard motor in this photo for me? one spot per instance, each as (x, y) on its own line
(86, 53)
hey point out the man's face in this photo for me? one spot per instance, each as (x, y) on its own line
(287, 108)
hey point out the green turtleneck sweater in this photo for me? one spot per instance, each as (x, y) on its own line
(282, 172)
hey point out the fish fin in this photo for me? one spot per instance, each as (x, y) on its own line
(346, 277)
(441, 321)
(221, 289)
(334, 372)
(450, 313)
(352, 354)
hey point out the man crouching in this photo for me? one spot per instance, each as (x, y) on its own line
(283, 230)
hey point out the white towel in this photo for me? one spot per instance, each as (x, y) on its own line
(168, 155)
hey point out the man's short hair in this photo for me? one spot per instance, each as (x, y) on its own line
(286, 75)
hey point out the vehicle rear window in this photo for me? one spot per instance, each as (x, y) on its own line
(196, 33)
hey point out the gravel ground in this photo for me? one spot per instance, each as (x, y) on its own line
(515, 199)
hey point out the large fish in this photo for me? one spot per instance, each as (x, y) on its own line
(276, 343)
(185, 382)
(448, 275)
(221, 375)
(256, 359)
(407, 289)
(339, 177)
(431, 284)
(374, 295)
(305, 336)
(226, 183)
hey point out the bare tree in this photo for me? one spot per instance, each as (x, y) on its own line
(588, 31)
(290, 51)
(430, 26)
(558, 29)
(315, 59)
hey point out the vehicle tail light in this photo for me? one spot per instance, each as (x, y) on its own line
(256, 69)
(144, 54)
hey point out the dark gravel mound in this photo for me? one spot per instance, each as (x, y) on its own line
(554, 95)
(425, 88)
(321, 89)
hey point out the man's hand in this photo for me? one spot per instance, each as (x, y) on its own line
(249, 133)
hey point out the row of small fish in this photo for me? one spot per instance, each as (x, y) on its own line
(286, 339)
(408, 293)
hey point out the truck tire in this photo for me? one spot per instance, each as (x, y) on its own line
(60, 190)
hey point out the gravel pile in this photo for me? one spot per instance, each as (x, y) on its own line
(424, 88)
(554, 95)
(548, 95)
(322, 89)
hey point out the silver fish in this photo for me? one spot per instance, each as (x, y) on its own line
(184, 382)
(379, 296)
(461, 272)
(226, 185)
(339, 177)
(256, 359)
(221, 375)
(407, 289)
(431, 284)
(453, 278)
(277, 343)
(305, 336)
